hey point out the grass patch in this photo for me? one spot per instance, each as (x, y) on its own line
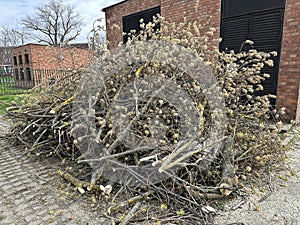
(9, 89)
(8, 100)
(8, 86)
(10, 94)
(6, 79)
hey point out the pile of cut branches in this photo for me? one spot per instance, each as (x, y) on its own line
(158, 130)
(42, 122)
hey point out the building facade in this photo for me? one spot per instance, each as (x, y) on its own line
(273, 25)
(33, 62)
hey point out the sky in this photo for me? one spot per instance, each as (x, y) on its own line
(12, 12)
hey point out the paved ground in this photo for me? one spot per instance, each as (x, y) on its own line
(280, 208)
(29, 194)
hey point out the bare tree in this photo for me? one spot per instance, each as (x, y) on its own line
(9, 38)
(53, 23)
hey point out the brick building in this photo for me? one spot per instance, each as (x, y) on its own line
(273, 25)
(32, 62)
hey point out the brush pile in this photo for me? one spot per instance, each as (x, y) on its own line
(148, 119)
(37, 127)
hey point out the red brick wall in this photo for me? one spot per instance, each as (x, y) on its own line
(48, 57)
(206, 12)
(171, 10)
(43, 57)
(289, 73)
(114, 16)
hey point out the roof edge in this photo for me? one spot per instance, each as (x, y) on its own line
(104, 9)
(28, 44)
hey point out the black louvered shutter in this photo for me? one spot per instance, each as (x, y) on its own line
(132, 22)
(233, 8)
(259, 21)
(266, 32)
(234, 33)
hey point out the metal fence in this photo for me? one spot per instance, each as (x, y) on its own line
(22, 81)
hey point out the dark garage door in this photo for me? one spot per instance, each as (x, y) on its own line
(260, 21)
